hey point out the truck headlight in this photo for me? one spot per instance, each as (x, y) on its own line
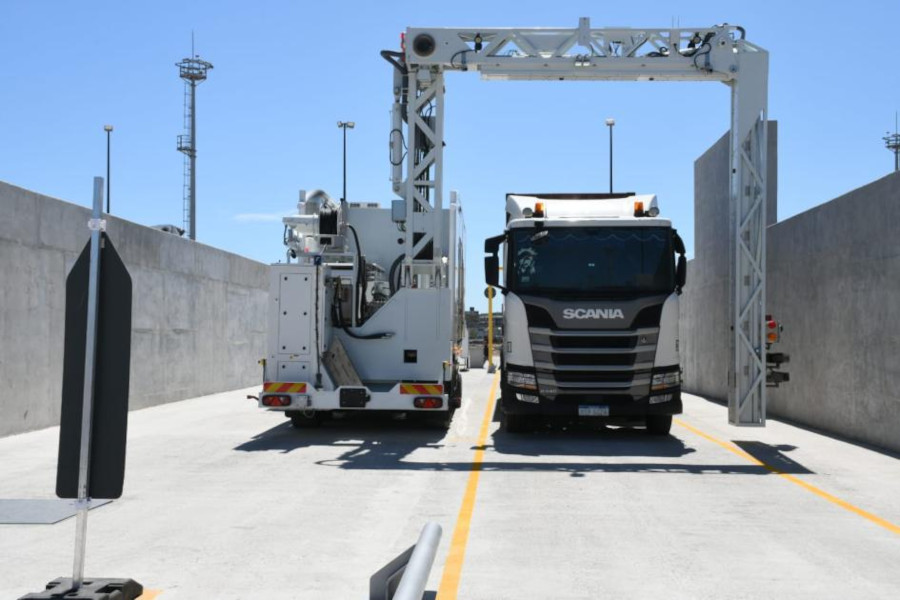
(662, 381)
(521, 380)
(659, 399)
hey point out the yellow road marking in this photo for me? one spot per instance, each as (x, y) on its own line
(149, 594)
(453, 566)
(808, 487)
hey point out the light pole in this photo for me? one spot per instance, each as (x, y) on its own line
(345, 125)
(610, 123)
(108, 129)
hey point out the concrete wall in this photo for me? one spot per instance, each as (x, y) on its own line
(198, 317)
(833, 281)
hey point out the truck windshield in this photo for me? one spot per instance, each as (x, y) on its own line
(595, 261)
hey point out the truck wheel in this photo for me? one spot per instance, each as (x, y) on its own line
(444, 420)
(301, 421)
(513, 423)
(659, 424)
(456, 391)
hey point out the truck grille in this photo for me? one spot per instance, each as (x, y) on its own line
(615, 364)
(613, 341)
(569, 360)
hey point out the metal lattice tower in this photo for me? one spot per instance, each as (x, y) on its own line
(193, 72)
(892, 143)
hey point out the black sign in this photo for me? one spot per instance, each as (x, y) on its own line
(111, 372)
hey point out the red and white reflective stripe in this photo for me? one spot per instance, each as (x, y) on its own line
(277, 387)
(421, 388)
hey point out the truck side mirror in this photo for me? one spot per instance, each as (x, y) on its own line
(492, 244)
(677, 242)
(492, 270)
(681, 273)
(492, 262)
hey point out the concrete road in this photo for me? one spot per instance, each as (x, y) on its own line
(223, 501)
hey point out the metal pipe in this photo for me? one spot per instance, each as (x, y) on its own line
(193, 158)
(610, 159)
(450, 274)
(415, 576)
(344, 196)
(610, 123)
(344, 125)
(108, 129)
(396, 141)
(87, 409)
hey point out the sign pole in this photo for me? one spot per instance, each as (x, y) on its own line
(94, 418)
(96, 225)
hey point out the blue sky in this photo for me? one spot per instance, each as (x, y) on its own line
(287, 71)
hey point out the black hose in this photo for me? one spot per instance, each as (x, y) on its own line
(391, 56)
(360, 277)
(328, 220)
(394, 287)
(698, 53)
(339, 321)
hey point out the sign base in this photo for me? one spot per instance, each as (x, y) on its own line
(91, 589)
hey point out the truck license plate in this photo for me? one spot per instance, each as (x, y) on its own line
(593, 411)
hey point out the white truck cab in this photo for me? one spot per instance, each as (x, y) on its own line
(591, 290)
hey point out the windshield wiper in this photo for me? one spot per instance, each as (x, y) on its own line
(540, 236)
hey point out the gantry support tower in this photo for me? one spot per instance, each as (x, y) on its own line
(719, 53)
(193, 72)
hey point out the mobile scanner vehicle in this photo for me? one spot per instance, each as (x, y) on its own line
(591, 289)
(355, 324)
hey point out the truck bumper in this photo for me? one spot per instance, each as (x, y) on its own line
(333, 400)
(623, 408)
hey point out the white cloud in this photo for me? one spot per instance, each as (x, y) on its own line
(258, 217)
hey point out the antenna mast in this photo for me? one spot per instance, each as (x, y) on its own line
(892, 143)
(193, 71)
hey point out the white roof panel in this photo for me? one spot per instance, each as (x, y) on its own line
(578, 206)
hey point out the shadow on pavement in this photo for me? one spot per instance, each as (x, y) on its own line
(773, 456)
(587, 441)
(391, 437)
(389, 446)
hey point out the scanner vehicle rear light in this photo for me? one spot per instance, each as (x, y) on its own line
(428, 402)
(276, 400)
